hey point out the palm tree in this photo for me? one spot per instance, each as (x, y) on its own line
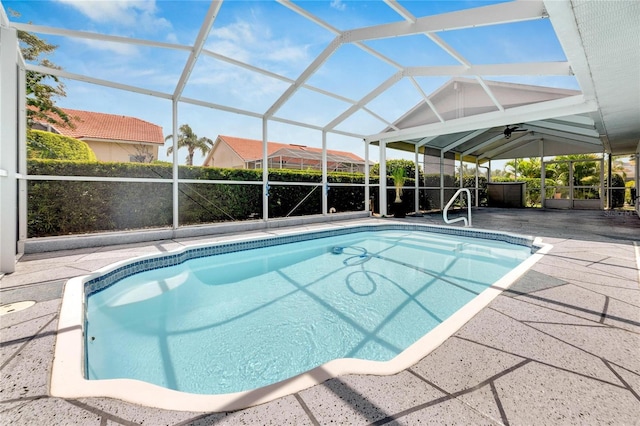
(584, 172)
(186, 138)
(526, 168)
(399, 176)
(617, 168)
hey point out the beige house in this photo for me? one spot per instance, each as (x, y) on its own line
(241, 153)
(117, 138)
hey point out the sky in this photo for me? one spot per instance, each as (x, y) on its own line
(270, 36)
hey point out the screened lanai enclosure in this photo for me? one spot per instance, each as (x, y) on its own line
(301, 159)
(442, 84)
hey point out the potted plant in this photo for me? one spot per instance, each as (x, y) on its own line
(399, 177)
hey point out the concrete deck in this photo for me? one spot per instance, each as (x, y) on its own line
(562, 346)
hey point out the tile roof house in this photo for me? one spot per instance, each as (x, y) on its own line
(242, 153)
(112, 137)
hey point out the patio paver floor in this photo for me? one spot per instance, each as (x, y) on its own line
(562, 346)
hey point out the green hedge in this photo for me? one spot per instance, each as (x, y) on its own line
(66, 207)
(53, 146)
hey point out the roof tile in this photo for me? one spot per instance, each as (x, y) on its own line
(98, 125)
(251, 149)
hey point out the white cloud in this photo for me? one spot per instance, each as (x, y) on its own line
(218, 82)
(172, 38)
(288, 54)
(119, 48)
(338, 5)
(125, 13)
(254, 44)
(238, 32)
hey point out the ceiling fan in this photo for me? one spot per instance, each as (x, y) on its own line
(508, 130)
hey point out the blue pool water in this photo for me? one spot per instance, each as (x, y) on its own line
(243, 320)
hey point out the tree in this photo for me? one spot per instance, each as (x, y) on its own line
(467, 169)
(188, 139)
(42, 89)
(523, 168)
(498, 173)
(46, 145)
(618, 168)
(586, 170)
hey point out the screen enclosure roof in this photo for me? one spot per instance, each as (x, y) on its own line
(454, 76)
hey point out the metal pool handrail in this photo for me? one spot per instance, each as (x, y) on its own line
(467, 223)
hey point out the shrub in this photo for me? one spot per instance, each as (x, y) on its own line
(630, 191)
(617, 194)
(53, 146)
(67, 207)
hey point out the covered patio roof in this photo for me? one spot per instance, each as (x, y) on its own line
(600, 43)
(462, 97)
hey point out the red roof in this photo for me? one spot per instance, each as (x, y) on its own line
(98, 125)
(251, 149)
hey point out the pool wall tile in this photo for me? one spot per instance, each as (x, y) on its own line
(97, 284)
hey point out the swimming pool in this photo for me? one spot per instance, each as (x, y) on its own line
(354, 299)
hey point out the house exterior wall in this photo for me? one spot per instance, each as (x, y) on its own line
(223, 156)
(120, 152)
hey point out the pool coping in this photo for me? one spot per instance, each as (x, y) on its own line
(67, 375)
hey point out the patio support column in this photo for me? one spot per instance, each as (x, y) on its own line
(571, 196)
(461, 173)
(489, 173)
(609, 192)
(22, 156)
(8, 148)
(265, 172)
(637, 180)
(543, 175)
(325, 181)
(441, 180)
(416, 177)
(367, 189)
(477, 183)
(175, 170)
(383, 178)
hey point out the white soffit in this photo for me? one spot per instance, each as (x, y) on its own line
(601, 40)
